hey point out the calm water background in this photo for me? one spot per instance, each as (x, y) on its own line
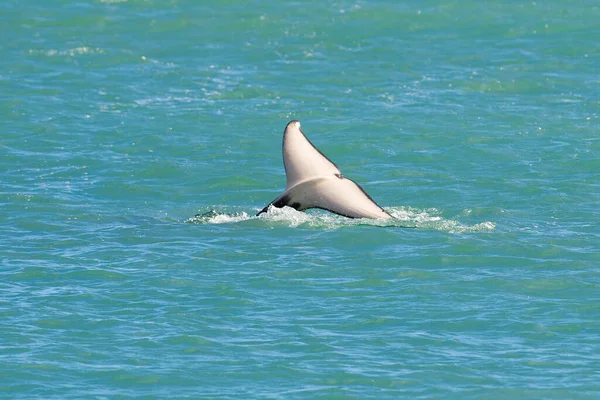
(474, 122)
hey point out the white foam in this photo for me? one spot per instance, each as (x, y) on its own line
(69, 52)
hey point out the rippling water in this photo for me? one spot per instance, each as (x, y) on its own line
(140, 138)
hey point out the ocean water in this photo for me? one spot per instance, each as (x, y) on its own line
(139, 138)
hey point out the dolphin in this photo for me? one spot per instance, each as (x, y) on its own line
(314, 181)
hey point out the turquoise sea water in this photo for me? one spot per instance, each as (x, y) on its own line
(139, 139)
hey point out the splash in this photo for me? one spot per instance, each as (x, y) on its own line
(404, 217)
(216, 217)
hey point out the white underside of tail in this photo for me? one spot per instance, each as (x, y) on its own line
(314, 181)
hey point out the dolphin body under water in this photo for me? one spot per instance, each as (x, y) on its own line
(314, 181)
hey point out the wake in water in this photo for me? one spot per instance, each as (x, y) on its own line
(404, 217)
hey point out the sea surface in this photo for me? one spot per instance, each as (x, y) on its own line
(138, 140)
